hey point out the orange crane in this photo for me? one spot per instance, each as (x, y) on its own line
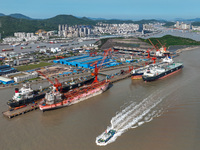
(96, 69)
(164, 47)
(94, 53)
(154, 59)
(130, 68)
(153, 44)
(57, 84)
(59, 57)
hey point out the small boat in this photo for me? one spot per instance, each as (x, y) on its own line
(26, 47)
(7, 49)
(64, 45)
(24, 44)
(106, 136)
(16, 44)
(41, 46)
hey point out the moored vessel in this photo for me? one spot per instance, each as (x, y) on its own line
(160, 71)
(55, 99)
(26, 47)
(7, 49)
(25, 95)
(137, 73)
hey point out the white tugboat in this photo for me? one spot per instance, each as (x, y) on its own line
(105, 137)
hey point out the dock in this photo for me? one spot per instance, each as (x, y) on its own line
(120, 77)
(12, 112)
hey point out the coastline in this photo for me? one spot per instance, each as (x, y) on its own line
(187, 49)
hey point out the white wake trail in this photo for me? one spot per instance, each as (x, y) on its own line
(131, 116)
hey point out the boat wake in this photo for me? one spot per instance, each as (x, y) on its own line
(135, 115)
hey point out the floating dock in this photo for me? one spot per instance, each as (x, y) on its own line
(16, 112)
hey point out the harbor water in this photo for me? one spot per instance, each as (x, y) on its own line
(159, 115)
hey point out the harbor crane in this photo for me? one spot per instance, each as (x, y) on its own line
(57, 84)
(163, 46)
(96, 69)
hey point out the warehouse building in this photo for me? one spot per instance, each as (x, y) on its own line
(4, 80)
(83, 61)
(6, 69)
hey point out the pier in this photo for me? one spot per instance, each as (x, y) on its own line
(121, 77)
(16, 112)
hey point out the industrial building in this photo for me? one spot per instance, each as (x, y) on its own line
(84, 61)
(6, 69)
(4, 80)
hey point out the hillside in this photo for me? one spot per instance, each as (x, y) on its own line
(169, 40)
(169, 24)
(195, 23)
(116, 21)
(19, 16)
(1, 14)
(21, 23)
(11, 24)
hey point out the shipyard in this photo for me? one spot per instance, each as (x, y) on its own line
(75, 77)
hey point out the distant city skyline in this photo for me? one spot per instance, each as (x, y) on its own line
(126, 9)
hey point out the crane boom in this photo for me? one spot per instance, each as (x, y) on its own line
(152, 44)
(45, 77)
(159, 42)
(96, 69)
(57, 84)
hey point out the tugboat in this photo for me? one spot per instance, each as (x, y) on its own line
(25, 95)
(106, 136)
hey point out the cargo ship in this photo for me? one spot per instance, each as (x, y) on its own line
(7, 49)
(41, 46)
(55, 99)
(105, 137)
(26, 94)
(64, 45)
(26, 47)
(138, 73)
(161, 71)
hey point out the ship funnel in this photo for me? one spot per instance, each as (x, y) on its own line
(16, 90)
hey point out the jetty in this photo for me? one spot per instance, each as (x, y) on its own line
(16, 112)
(121, 77)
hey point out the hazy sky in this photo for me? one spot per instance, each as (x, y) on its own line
(120, 9)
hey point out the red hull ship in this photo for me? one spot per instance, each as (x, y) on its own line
(8, 49)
